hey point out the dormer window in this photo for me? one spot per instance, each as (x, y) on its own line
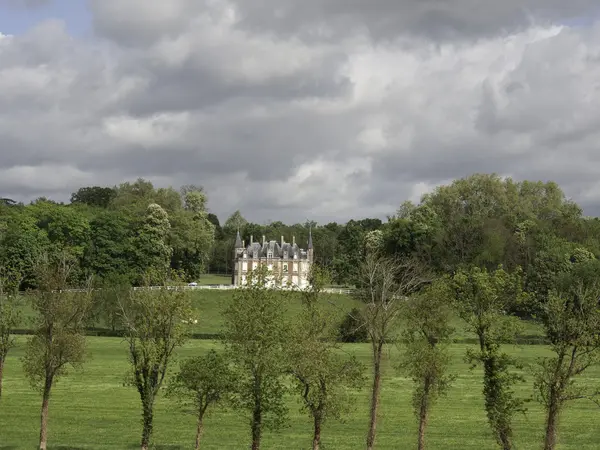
(285, 255)
(269, 254)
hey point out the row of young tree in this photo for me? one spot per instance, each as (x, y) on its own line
(404, 304)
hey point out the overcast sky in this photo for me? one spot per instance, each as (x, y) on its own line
(288, 110)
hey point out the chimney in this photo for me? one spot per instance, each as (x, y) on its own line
(282, 240)
(251, 239)
(293, 240)
(244, 244)
(264, 239)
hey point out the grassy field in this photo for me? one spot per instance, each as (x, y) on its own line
(91, 409)
(209, 306)
(214, 279)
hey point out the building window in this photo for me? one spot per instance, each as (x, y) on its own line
(285, 268)
(269, 254)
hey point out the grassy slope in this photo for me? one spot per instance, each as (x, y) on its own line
(91, 409)
(209, 305)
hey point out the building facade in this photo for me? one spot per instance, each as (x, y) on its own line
(287, 261)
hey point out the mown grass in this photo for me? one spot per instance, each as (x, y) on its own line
(91, 409)
(210, 304)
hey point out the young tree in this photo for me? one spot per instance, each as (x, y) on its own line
(426, 357)
(321, 377)
(384, 285)
(481, 299)
(10, 318)
(155, 325)
(201, 382)
(571, 318)
(59, 333)
(255, 338)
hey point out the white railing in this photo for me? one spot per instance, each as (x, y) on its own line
(204, 287)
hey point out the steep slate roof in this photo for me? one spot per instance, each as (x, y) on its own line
(257, 250)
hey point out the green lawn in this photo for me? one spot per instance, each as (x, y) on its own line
(91, 409)
(213, 279)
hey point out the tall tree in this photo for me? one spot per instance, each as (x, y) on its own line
(234, 223)
(202, 382)
(155, 325)
(321, 376)
(152, 248)
(191, 236)
(255, 338)
(384, 283)
(426, 359)
(571, 319)
(97, 196)
(481, 300)
(10, 317)
(59, 333)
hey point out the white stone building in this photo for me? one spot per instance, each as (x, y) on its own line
(287, 262)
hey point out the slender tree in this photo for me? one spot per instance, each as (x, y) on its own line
(571, 318)
(10, 318)
(201, 382)
(255, 338)
(155, 325)
(426, 359)
(384, 286)
(320, 375)
(59, 332)
(481, 299)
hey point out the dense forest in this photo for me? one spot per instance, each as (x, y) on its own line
(120, 232)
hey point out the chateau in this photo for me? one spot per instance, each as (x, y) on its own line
(286, 261)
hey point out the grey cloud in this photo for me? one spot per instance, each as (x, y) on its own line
(286, 124)
(334, 20)
(384, 19)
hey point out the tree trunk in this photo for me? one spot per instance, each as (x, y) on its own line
(378, 348)
(44, 416)
(199, 431)
(256, 426)
(423, 414)
(551, 423)
(317, 434)
(148, 410)
(1, 374)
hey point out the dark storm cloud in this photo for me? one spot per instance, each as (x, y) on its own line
(385, 19)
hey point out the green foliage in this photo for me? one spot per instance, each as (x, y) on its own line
(571, 319)
(111, 246)
(153, 252)
(255, 337)
(352, 327)
(59, 324)
(96, 196)
(482, 299)
(201, 382)
(10, 317)
(426, 340)
(321, 377)
(155, 323)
